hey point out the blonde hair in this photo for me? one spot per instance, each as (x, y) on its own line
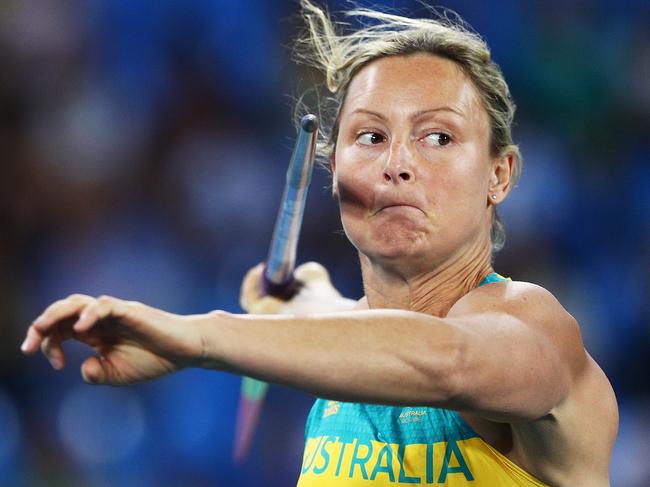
(340, 52)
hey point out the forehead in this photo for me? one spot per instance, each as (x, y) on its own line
(402, 84)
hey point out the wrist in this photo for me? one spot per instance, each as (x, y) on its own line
(205, 349)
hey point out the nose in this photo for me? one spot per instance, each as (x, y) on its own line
(405, 175)
(398, 166)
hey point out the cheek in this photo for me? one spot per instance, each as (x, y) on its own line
(461, 184)
(353, 185)
(354, 199)
(457, 187)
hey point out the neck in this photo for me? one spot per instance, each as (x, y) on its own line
(433, 291)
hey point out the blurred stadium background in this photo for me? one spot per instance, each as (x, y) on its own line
(144, 145)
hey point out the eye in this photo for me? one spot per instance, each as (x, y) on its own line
(370, 138)
(437, 139)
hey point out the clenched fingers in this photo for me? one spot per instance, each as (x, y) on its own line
(251, 290)
(311, 272)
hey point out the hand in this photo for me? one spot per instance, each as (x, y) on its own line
(316, 293)
(134, 342)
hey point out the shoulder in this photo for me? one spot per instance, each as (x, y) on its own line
(510, 295)
(532, 308)
(514, 297)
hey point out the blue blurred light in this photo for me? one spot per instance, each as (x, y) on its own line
(101, 426)
(9, 428)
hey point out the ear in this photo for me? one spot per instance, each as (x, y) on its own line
(335, 186)
(501, 177)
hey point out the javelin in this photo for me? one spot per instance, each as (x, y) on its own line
(277, 279)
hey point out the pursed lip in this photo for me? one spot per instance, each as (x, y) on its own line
(383, 203)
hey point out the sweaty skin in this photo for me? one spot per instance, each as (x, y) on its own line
(414, 178)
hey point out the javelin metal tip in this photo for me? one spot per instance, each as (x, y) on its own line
(309, 123)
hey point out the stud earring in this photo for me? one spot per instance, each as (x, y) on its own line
(494, 196)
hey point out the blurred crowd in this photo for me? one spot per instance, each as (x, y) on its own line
(144, 145)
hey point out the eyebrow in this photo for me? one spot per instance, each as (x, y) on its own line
(417, 114)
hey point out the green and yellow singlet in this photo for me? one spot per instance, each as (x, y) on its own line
(355, 445)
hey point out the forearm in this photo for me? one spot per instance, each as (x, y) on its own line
(380, 356)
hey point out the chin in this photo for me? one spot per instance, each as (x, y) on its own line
(393, 239)
(395, 246)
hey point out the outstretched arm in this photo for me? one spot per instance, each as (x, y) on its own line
(507, 351)
(135, 342)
